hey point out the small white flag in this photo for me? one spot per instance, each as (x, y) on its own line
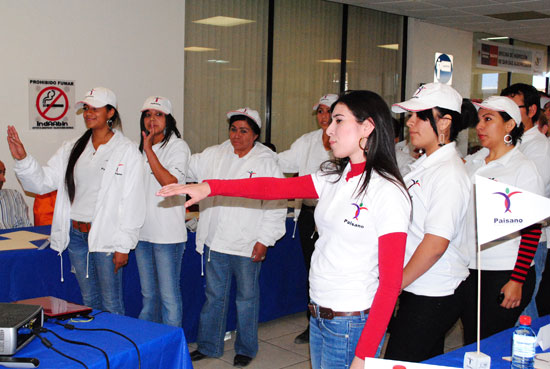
(503, 209)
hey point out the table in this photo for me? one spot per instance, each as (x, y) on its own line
(31, 273)
(496, 346)
(160, 346)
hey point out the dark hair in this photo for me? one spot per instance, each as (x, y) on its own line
(396, 128)
(517, 132)
(529, 93)
(79, 147)
(380, 148)
(467, 118)
(250, 122)
(169, 129)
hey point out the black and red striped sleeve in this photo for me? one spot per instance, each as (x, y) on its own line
(530, 237)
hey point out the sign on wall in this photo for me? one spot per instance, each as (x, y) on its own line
(51, 103)
(443, 68)
(509, 58)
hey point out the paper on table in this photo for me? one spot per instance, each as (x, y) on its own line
(372, 363)
(543, 338)
(20, 240)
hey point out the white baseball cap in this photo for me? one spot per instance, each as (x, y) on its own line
(543, 101)
(98, 97)
(327, 100)
(157, 103)
(251, 113)
(502, 103)
(429, 96)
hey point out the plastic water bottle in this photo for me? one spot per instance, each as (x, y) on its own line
(523, 345)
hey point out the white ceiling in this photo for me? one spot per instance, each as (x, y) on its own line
(471, 15)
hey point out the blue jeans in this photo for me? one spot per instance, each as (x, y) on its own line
(332, 342)
(219, 270)
(159, 274)
(100, 287)
(540, 261)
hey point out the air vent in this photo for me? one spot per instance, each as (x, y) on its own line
(519, 16)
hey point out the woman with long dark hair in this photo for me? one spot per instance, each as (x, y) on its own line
(362, 218)
(162, 239)
(99, 207)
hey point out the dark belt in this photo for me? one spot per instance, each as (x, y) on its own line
(81, 226)
(327, 313)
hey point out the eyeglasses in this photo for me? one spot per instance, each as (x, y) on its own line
(522, 106)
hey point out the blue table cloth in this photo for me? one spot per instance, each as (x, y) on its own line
(496, 346)
(160, 346)
(32, 273)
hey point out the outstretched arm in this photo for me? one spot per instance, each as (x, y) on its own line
(262, 188)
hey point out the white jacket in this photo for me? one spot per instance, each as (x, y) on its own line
(234, 225)
(120, 209)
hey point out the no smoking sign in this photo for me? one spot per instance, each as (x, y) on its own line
(49, 103)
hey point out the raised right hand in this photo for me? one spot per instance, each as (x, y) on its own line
(16, 146)
(196, 191)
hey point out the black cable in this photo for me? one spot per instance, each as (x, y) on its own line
(72, 327)
(81, 344)
(49, 345)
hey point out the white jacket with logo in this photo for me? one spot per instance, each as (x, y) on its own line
(234, 225)
(120, 209)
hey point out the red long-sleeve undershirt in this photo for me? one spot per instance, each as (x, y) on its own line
(391, 247)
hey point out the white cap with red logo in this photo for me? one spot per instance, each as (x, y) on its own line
(98, 97)
(429, 96)
(157, 103)
(327, 100)
(502, 103)
(247, 112)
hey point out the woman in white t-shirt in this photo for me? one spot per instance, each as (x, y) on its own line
(362, 219)
(507, 275)
(435, 262)
(99, 207)
(162, 239)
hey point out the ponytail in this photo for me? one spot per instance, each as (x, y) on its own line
(77, 150)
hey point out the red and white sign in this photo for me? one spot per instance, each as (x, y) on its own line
(50, 104)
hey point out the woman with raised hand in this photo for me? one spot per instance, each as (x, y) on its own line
(507, 274)
(99, 208)
(162, 239)
(436, 263)
(362, 218)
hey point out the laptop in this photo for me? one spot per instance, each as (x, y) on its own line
(55, 308)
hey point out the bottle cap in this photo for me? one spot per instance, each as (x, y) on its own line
(525, 320)
(399, 367)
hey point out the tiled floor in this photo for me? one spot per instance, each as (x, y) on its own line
(278, 350)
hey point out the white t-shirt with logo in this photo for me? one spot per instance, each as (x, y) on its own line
(514, 169)
(344, 266)
(165, 217)
(440, 190)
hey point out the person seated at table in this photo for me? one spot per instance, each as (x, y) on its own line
(99, 208)
(362, 217)
(233, 236)
(162, 238)
(507, 271)
(14, 212)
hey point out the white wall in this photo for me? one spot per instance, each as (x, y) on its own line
(134, 47)
(423, 41)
